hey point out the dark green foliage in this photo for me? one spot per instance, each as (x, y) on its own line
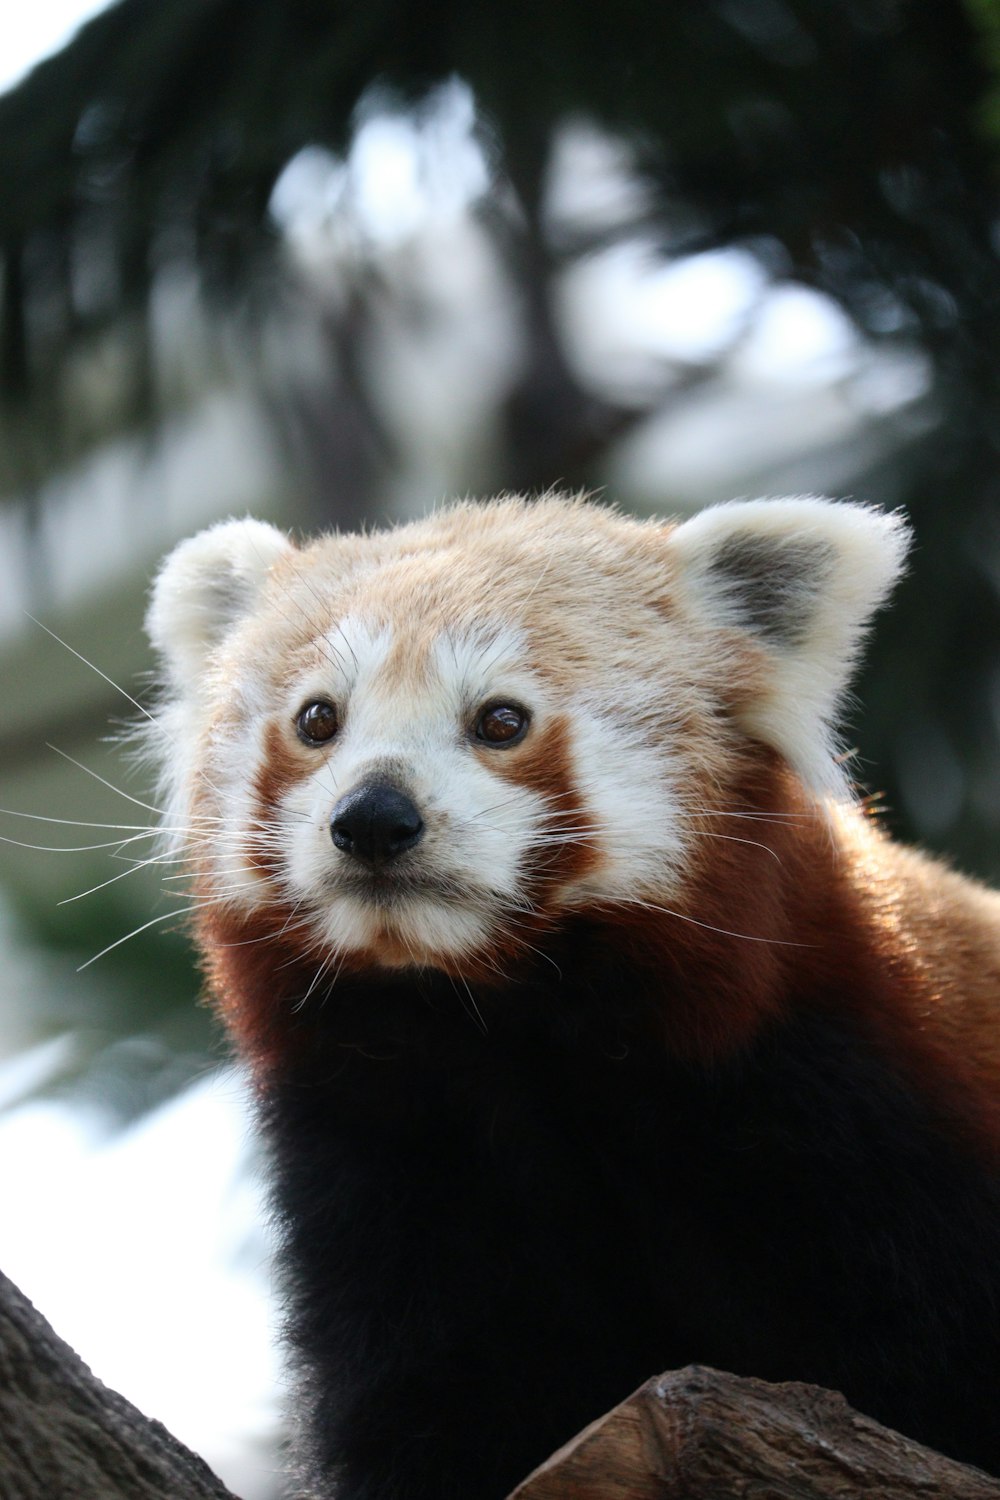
(846, 131)
(848, 142)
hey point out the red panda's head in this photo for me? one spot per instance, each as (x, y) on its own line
(425, 746)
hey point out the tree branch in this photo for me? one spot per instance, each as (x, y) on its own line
(695, 1433)
(63, 1434)
(685, 1435)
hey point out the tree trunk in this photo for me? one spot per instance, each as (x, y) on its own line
(65, 1436)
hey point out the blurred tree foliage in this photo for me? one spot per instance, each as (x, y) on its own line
(852, 143)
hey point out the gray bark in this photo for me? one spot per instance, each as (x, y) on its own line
(65, 1436)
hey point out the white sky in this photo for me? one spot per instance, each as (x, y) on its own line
(149, 1240)
(29, 32)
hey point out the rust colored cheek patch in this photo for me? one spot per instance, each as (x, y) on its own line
(566, 847)
(284, 765)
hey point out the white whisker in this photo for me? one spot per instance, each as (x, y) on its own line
(10, 812)
(270, 937)
(133, 869)
(164, 917)
(76, 848)
(745, 937)
(147, 807)
(475, 1014)
(732, 839)
(109, 680)
(753, 814)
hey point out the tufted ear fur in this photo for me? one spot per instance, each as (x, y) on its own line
(206, 584)
(802, 578)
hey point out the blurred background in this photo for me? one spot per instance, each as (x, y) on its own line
(330, 263)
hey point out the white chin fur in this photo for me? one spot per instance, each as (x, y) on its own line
(424, 929)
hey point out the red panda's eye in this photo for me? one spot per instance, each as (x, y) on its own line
(317, 723)
(502, 724)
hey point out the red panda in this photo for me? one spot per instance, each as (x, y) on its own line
(594, 1029)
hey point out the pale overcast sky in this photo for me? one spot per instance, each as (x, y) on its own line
(30, 32)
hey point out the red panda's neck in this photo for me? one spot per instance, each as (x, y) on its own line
(802, 909)
(698, 976)
(751, 932)
(790, 912)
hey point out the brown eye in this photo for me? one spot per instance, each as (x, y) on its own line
(502, 724)
(317, 723)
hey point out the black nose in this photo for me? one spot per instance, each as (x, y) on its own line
(375, 822)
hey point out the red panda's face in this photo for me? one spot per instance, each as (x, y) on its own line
(428, 747)
(413, 824)
(432, 790)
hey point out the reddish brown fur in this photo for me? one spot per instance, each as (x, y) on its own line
(283, 764)
(255, 968)
(244, 960)
(720, 952)
(546, 767)
(834, 928)
(842, 933)
(916, 950)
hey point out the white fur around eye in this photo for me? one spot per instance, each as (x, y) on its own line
(355, 651)
(479, 664)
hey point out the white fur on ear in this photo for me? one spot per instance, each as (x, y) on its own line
(206, 584)
(803, 578)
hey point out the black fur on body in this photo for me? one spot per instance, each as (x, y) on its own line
(500, 1220)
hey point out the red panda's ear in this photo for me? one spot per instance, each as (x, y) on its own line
(802, 578)
(206, 584)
